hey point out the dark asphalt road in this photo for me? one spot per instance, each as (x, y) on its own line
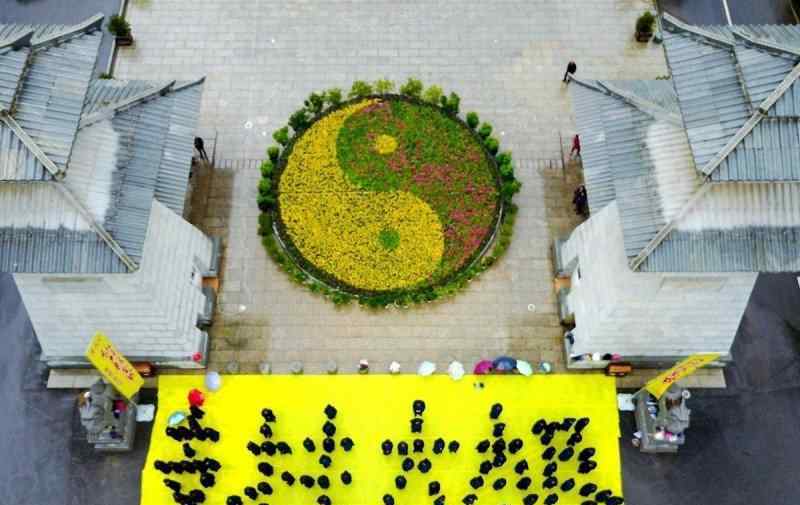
(68, 12)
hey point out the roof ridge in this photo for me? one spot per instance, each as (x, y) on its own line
(40, 155)
(680, 25)
(93, 23)
(111, 110)
(662, 234)
(97, 227)
(753, 120)
(23, 39)
(646, 106)
(764, 44)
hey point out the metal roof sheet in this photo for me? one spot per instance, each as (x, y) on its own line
(710, 93)
(589, 106)
(736, 227)
(17, 162)
(50, 102)
(40, 231)
(135, 144)
(12, 64)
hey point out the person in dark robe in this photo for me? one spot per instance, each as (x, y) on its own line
(485, 467)
(175, 486)
(524, 483)
(586, 454)
(550, 469)
(498, 429)
(483, 446)
(386, 447)
(515, 446)
(268, 415)
(288, 478)
(264, 488)
(323, 482)
(250, 492)
(266, 431)
(521, 467)
(434, 487)
(212, 434)
(499, 446)
(567, 485)
(307, 481)
(416, 425)
(269, 448)
(254, 448)
(495, 411)
(566, 454)
(453, 446)
(347, 444)
(207, 480)
(188, 451)
(325, 461)
(499, 484)
(346, 478)
(400, 482)
(402, 449)
(538, 427)
(470, 499)
(323, 500)
(309, 445)
(197, 496)
(329, 429)
(574, 439)
(266, 469)
(499, 460)
(407, 465)
(196, 412)
(283, 448)
(439, 501)
(438, 446)
(550, 482)
(530, 499)
(587, 489)
(424, 466)
(419, 445)
(201, 149)
(330, 412)
(328, 444)
(551, 499)
(388, 499)
(212, 464)
(418, 407)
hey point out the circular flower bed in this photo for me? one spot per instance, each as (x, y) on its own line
(390, 198)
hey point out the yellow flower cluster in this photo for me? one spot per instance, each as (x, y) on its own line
(336, 225)
(385, 144)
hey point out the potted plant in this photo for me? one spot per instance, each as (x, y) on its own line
(121, 30)
(644, 26)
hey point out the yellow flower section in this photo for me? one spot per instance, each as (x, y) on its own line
(335, 225)
(385, 144)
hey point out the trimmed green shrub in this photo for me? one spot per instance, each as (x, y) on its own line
(273, 152)
(383, 86)
(645, 22)
(299, 120)
(265, 187)
(473, 120)
(412, 87)
(315, 103)
(507, 171)
(503, 158)
(360, 89)
(118, 26)
(333, 97)
(264, 224)
(433, 94)
(485, 130)
(509, 189)
(281, 135)
(266, 202)
(267, 168)
(451, 104)
(492, 145)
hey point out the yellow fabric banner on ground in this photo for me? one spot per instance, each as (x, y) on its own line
(113, 366)
(374, 408)
(687, 367)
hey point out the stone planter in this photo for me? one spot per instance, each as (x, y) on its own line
(124, 40)
(643, 36)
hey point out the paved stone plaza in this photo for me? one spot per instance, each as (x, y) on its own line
(505, 59)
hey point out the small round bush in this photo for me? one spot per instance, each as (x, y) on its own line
(472, 120)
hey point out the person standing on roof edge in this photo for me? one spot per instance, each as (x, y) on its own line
(571, 69)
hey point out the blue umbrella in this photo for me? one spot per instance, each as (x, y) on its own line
(504, 364)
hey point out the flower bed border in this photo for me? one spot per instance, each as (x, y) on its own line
(280, 247)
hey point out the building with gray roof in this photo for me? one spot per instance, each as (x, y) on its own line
(94, 174)
(693, 185)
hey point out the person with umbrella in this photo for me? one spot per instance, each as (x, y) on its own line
(504, 364)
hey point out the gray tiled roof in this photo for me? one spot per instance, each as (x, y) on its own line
(114, 146)
(742, 217)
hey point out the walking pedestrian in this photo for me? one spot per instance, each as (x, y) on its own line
(571, 69)
(576, 147)
(198, 144)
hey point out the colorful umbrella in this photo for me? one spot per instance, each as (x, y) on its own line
(456, 370)
(426, 368)
(504, 364)
(483, 367)
(524, 368)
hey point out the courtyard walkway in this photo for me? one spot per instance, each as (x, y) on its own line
(506, 60)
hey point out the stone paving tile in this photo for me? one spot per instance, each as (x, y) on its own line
(505, 59)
